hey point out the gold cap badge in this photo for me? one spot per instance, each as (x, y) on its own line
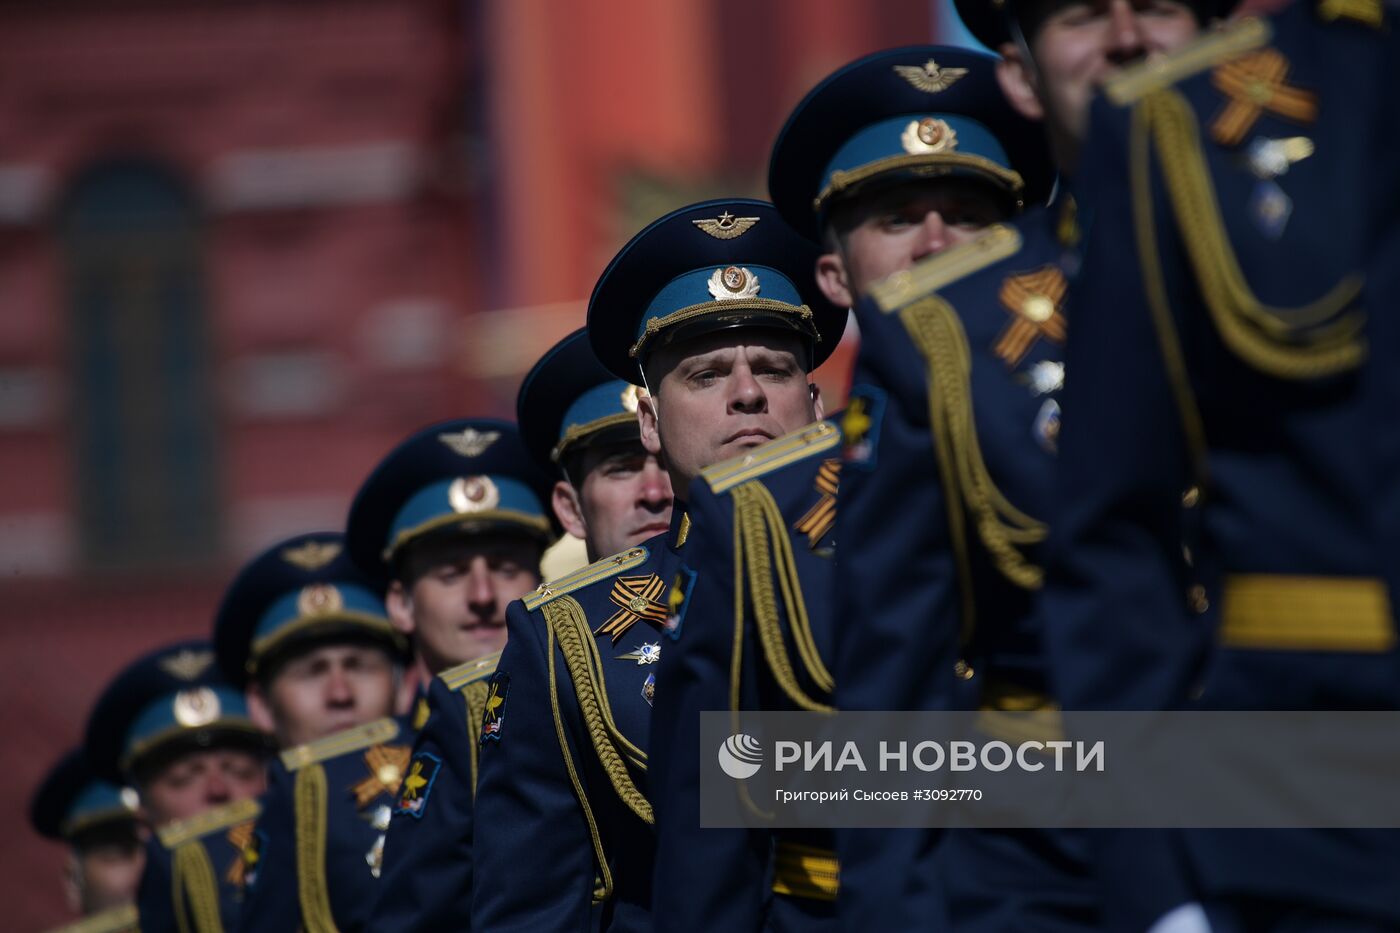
(473, 494)
(629, 398)
(929, 77)
(319, 599)
(726, 226)
(311, 555)
(732, 283)
(927, 136)
(187, 664)
(195, 708)
(470, 442)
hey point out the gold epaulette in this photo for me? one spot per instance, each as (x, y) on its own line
(995, 243)
(765, 458)
(1206, 51)
(115, 920)
(598, 570)
(333, 746)
(476, 669)
(175, 833)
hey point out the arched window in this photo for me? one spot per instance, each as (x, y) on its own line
(142, 415)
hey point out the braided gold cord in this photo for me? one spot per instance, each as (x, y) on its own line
(1269, 339)
(193, 876)
(569, 626)
(799, 622)
(938, 334)
(474, 696)
(603, 888)
(754, 559)
(1155, 291)
(309, 794)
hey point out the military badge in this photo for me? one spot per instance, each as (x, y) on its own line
(726, 226)
(1034, 300)
(930, 77)
(386, 764)
(1252, 84)
(469, 494)
(676, 601)
(241, 838)
(374, 858)
(187, 664)
(637, 598)
(649, 688)
(820, 518)
(1046, 377)
(421, 712)
(647, 653)
(312, 555)
(418, 784)
(493, 718)
(195, 708)
(1047, 425)
(860, 426)
(469, 442)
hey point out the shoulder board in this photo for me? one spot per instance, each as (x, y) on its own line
(599, 570)
(115, 920)
(765, 458)
(340, 743)
(210, 821)
(1206, 51)
(458, 677)
(996, 243)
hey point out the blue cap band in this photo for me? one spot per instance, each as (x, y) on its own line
(493, 498)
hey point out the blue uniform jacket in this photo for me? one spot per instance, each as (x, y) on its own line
(1223, 318)
(946, 493)
(320, 839)
(737, 879)
(196, 869)
(426, 879)
(564, 836)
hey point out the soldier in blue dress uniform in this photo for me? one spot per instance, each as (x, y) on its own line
(98, 822)
(304, 632)
(949, 457)
(700, 306)
(171, 726)
(455, 516)
(1228, 342)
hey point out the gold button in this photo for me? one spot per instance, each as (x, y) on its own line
(1196, 599)
(962, 670)
(1191, 497)
(1038, 308)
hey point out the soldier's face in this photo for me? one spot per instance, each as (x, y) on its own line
(1077, 47)
(623, 498)
(455, 608)
(324, 690)
(722, 394)
(878, 234)
(199, 781)
(106, 875)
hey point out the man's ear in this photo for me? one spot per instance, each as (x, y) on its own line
(73, 883)
(649, 421)
(818, 407)
(399, 601)
(569, 510)
(259, 709)
(834, 280)
(1018, 82)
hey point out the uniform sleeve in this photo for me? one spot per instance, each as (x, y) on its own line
(534, 849)
(705, 879)
(426, 880)
(272, 902)
(1117, 629)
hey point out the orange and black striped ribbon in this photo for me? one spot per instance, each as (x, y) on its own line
(639, 598)
(1255, 83)
(240, 837)
(1020, 335)
(820, 517)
